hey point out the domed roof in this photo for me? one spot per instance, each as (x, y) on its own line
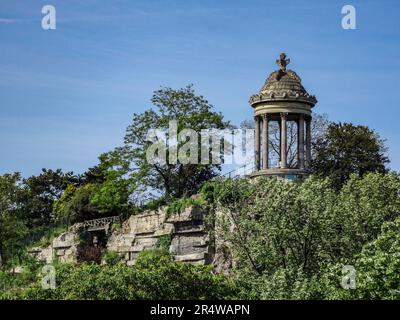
(279, 82)
(283, 85)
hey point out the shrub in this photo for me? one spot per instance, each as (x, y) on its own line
(112, 258)
(164, 242)
(285, 235)
(154, 276)
(179, 205)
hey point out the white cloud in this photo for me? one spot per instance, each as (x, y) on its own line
(8, 21)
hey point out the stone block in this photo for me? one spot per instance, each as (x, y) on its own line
(65, 240)
(42, 254)
(188, 214)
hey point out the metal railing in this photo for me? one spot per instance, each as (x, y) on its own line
(98, 224)
(241, 171)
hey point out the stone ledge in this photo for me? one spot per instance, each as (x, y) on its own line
(191, 257)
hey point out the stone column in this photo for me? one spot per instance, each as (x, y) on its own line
(257, 144)
(300, 139)
(308, 143)
(265, 142)
(283, 140)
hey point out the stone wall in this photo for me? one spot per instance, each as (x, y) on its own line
(138, 233)
(63, 248)
(189, 239)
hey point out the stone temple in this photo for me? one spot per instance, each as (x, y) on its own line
(282, 99)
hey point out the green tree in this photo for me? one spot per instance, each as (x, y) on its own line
(114, 188)
(40, 193)
(103, 190)
(170, 179)
(378, 267)
(13, 227)
(96, 174)
(362, 206)
(348, 149)
(75, 205)
(282, 236)
(271, 223)
(377, 270)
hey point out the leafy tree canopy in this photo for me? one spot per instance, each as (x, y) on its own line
(171, 179)
(348, 149)
(13, 227)
(40, 193)
(283, 235)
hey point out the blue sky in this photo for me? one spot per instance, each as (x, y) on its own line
(68, 94)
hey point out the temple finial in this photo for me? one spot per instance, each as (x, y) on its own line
(282, 62)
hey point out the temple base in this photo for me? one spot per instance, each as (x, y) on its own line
(287, 173)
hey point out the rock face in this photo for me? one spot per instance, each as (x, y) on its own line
(63, 248)
(189, 241)
(139, 232)
(42, 254)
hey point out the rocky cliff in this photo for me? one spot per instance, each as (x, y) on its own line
(184, 233)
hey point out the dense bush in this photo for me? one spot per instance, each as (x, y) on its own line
(12, 284)
(290, 239)
(154, 276)
(287, 240)
(377, 269)
(177, 206)
(112, 258)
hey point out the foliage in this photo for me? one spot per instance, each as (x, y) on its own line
(279, 285)
(379, 265)
(177, 206)
(90, 201)
(12, 284)
(348, 149)
(164, 242)
(13, 226)
(49, 236)
(111, 197)
(277, 224)
(112, 258)
(154, 276)
(290, 239)
(287, 239)
(26, 209)
(376, 270)
(155, 204)
(40, 193)
(96, 174)
(362, 206)
(103, 192)
(113, 193)
(172, 179)
(75, 205)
